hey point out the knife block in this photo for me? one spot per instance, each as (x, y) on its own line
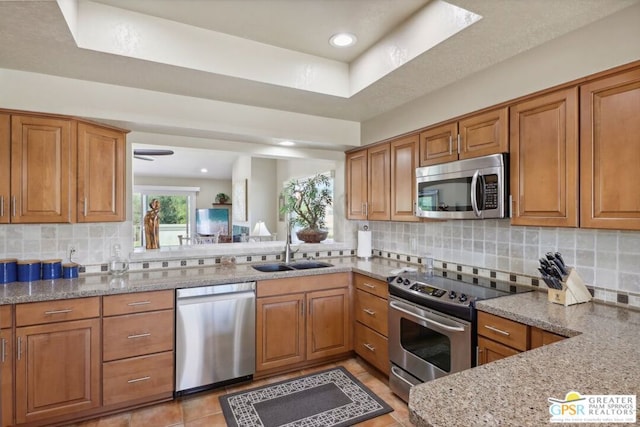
(574, 291)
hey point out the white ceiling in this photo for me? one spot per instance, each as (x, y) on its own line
(35, 37)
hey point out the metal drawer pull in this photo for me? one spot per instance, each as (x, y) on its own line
(369, 285)
(4, 350)
(369, 311)
(19, 350)
(138, 380)
(68, 310)
(1, 205)
(139, 336)
(369, 347)
(133, 304)
(500, 331)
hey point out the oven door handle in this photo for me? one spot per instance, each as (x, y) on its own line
(425, 319)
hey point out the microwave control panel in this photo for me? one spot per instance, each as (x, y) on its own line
(490, 192)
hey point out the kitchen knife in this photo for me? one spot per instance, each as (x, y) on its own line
(551, 258)
(559, 258)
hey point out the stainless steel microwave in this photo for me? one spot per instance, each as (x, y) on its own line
(464, 189)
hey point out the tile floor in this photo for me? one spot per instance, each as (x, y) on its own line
(203, 409)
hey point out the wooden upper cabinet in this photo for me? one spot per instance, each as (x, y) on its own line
(404, 160)
(484, 134)
(5, 167)
(544, 160)
(43, 164)
(357, 185)
(610, 152)
(101, 173)
(379, 182)
(474, 136)
(439, 144)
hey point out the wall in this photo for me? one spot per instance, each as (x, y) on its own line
(209, 188)
(263, 193)
(607, 259)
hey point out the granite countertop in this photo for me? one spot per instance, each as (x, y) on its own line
(602, 356)
(151, 280)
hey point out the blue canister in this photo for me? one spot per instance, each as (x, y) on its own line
(70, 270)
(51, 269)
(28, 270)
(8, 270)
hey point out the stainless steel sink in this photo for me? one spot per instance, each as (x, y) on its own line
(304, 265)
(300, 265)
(271, 268)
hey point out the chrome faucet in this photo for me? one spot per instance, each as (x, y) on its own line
(287, 246)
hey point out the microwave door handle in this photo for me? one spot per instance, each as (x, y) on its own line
(474, 199)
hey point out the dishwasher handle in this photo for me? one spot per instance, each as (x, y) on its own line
(227, 288)
(204, 299)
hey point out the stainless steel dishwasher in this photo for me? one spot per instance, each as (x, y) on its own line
(215, 335)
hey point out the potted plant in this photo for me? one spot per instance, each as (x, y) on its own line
(307, 200)
(222, 198)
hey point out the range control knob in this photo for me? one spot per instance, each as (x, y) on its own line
(462, 298)
(452, 294)
(407, 282)
(399, 280)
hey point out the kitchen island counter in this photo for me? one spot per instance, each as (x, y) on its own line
(602, 357)
(153, 280)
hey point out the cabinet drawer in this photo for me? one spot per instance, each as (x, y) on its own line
(372, 347)
(114, 305)
(36, 313)
(372, 311)
(503, 330)
(137, 334)
(373, 286)
(6, 320)
(136, 378)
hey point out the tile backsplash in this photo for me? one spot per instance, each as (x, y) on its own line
(607, 259)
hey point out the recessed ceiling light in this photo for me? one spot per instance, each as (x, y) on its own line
(343, 40)
(204, 170)
(287, 143)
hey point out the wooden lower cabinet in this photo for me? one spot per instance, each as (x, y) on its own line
(280, 331)
(131, 379)
(137, 349)
(302, 320)
(371, 327)
(57, 369)
(6, 376)
(328, 323)
(499, 337)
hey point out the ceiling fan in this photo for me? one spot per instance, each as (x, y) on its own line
(143, 153)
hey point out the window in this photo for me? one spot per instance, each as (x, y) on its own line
(177, 213)
(328, 215)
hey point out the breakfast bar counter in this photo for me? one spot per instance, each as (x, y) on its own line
(601, 357)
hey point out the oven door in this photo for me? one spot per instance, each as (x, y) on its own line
(425, 343)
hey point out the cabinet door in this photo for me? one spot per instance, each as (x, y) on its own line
(279, 331)
(328, 323)
(101, 174)
(484, 134)
(6, 379)
(357, 193)
(541, 337)
(379, 183)
(404, 160)
(5, 167)
(57, 369)
(43, 168)
(439, 144)
(544, 160)
(610, 152)
(489, 351)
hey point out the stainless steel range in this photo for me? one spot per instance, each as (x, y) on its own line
(432, 326)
